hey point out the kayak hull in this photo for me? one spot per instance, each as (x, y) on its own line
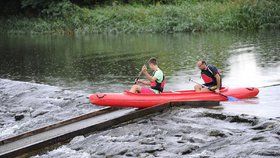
(127, 99)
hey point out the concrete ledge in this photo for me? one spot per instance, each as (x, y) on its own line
(34, 142)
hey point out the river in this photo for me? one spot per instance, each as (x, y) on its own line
(109, 63)
(45, 79)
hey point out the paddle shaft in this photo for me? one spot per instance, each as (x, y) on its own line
(277, 84)
(137, 78)
(207, 87)
(140, 73)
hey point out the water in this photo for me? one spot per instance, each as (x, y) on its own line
(109, 63)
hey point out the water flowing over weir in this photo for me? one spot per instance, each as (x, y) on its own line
(29, 142)
(39, 104)
(177, 132)
(181, 132)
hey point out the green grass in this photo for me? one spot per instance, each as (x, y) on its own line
(186, 17)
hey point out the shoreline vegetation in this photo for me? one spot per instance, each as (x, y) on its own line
(162, 16)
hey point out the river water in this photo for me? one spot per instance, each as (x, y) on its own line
(109, 63)
(46, 79)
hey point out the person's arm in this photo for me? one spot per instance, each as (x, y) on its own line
(218, 79)
(148, 76)
(217, 76)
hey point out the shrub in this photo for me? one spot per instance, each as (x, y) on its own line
(190, 15)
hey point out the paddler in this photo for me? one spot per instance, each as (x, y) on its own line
(155, 82)
(211, 77)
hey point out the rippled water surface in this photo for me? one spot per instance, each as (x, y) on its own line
(109, 63)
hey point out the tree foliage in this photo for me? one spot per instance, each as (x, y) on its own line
(12, 7)
(92, 16)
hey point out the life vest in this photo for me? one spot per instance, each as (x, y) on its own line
(158, 86)
(208, 76)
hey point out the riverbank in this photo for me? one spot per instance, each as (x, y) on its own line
(68, 18)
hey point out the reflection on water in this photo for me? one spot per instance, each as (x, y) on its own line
(244, 69)
(109, 63)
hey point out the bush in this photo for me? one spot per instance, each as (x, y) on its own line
(259, 14)
(61, 9)
(191, 15)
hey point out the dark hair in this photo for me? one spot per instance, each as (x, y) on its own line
(153, 61)
(203, 61)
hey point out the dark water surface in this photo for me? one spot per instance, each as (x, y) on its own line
(109, 63)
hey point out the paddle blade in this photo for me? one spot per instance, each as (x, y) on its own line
(230, 98)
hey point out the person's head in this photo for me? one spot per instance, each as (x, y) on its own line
(153, 63)
(201, 64)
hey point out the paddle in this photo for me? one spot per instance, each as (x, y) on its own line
(229, 98)
(140, 73)
(272, 85)
(137, 78)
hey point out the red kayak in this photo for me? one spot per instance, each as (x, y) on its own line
(127, 99)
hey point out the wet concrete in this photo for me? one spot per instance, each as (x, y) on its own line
(181, 132)
(26, 106)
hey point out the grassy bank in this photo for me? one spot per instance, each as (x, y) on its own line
(186, 17)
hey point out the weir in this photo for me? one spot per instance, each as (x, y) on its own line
(42, 139)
